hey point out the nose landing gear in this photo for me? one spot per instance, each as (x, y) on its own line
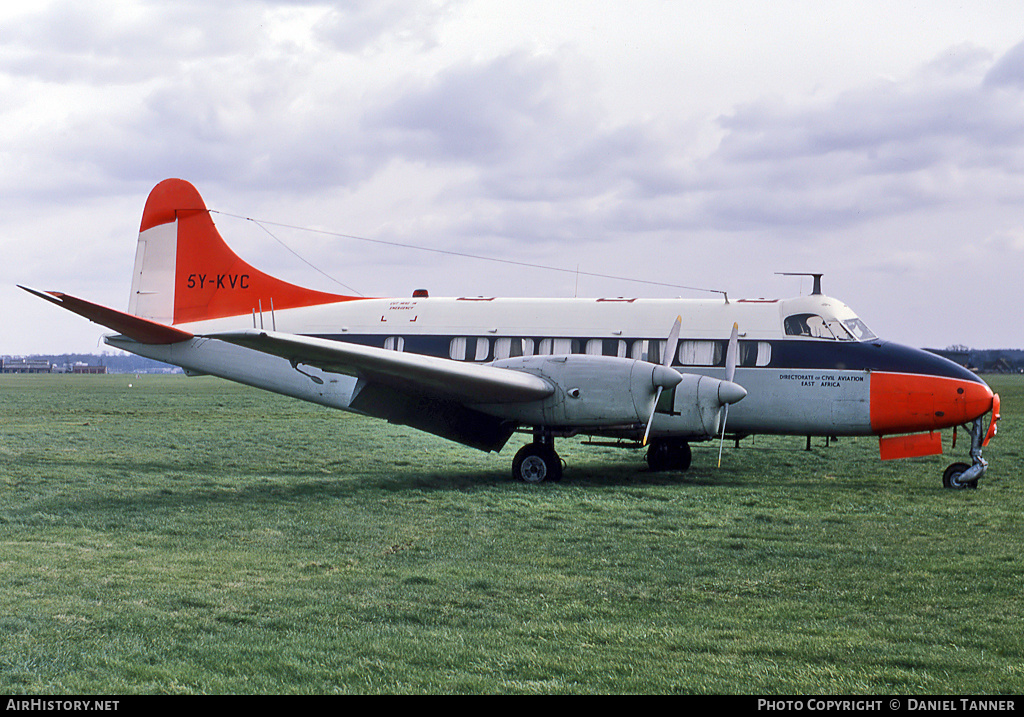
(960, 476)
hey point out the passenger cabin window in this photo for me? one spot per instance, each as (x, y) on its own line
(457, 349)
(512, 348)
(483, 349)
(712, 353)
(394, 343)
(470, 349)
(700, 353)
(755, 353)
(558, 347)
(606, 347)
(647, 350)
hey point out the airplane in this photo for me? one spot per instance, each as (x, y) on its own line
(478, 369)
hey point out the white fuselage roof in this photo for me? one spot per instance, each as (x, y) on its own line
(485, 316)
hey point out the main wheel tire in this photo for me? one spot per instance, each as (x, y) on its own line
(666, 455)
(535, 463)
(951, 477)
(682, 456)
(657, 456)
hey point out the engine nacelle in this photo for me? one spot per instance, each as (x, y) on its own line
(589, 391)
(697, 408)
(615, 393)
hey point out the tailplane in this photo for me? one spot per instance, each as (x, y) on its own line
(185, 271)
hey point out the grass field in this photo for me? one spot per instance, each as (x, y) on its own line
(173, 535)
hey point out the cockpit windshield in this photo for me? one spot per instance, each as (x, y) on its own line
(859, 330)
(817, 327)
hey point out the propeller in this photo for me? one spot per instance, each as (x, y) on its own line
(664, 375)
(731, 358)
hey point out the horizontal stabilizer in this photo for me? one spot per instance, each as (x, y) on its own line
(142, 330)
(411, 373)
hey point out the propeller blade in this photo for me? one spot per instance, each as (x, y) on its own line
(721, 445)
(731, 359)
(673, 341)
(662, 378)
(732, 353)
(647, 431)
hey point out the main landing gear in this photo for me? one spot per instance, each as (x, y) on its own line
(536, 462)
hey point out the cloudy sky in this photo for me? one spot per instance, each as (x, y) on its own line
(687, 143)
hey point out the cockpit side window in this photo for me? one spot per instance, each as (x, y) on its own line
(812, 325)
(807, 325)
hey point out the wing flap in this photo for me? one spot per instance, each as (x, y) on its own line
(412, 373)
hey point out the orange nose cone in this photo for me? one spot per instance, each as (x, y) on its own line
(977, 401)
(907, 403)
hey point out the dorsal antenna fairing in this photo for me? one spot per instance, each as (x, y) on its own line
(816, 290)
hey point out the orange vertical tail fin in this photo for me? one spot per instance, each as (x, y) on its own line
(186, 272)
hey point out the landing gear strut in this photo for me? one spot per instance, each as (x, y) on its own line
(537, 461)
(959, 476)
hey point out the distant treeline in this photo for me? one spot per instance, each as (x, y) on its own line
(115, 363)
(985, 360)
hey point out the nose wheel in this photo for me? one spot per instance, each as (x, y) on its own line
(953, 477)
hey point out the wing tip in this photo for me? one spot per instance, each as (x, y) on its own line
(134, 327)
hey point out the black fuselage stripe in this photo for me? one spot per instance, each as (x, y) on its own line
(797, 354)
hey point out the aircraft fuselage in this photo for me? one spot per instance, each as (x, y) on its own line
(810, 376)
